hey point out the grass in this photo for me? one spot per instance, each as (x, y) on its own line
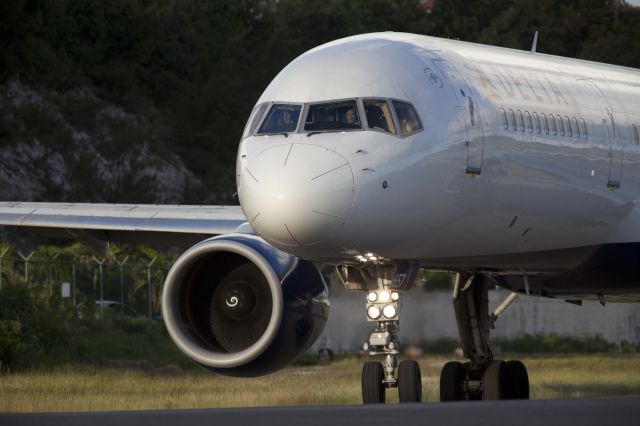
(91, 388)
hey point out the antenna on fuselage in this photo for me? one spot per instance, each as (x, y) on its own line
(535, 43)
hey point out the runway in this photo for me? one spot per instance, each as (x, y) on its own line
(565, 412)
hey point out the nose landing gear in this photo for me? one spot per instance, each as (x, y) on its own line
(383, 308)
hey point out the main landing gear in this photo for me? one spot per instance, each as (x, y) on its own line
(482, 377)
(383, 308)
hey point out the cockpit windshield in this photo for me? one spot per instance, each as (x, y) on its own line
(408, 120)
(332, 116)
(379, 115)
(385, 115)
(282, 118)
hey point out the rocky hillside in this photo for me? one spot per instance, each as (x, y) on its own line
(73, 146)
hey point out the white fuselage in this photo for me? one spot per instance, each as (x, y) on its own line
(468, 186)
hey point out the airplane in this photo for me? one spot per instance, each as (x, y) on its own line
(380, 155)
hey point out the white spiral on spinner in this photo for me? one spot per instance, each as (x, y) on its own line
(232, 302)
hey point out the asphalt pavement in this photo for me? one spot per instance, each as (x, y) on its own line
(564, 412)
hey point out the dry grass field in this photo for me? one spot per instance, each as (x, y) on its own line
(97, 389)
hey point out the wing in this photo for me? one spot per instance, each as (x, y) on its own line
(164, 225)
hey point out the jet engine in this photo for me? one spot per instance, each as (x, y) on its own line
(240, 307)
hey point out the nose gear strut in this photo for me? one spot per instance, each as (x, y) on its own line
(383, 281)
(383, 308)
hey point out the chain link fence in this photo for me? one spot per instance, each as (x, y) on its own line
(130, 284)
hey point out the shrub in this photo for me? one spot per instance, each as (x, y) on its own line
(554, 343)
(12, 348)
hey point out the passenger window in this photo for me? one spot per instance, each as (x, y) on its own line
(574, 127)
(512, 117)
(552, 125)
(636, 134)
(584, 133)
(282, 118)
(254, 119)
(332, 116)
(536, 122)
(520, 121)
(379, 115)
(528, 121)
(505, 124)
(567, 126)
(407, 118)
(545, 124)
(560, 125)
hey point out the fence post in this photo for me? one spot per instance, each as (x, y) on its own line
(73, 282)
(100, 263)
(121, 265)
(51, 261)
(149, 285)
(4, 252)
(26, 265)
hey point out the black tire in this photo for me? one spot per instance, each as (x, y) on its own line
(409, 382)
(372, 383)
(452, 378)
(516, 380)
(494, 381)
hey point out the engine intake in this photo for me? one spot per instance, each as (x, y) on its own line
(239, 306)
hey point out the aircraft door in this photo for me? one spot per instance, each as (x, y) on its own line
(615, 152)
(471, 114)
(592, 95)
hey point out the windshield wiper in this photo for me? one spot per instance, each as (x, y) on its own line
(285, 134)
(312, 133)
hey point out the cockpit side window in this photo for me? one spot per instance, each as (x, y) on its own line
(254, 119)
(331, 116)
(379, 115)
(407, 118)
(282, 118)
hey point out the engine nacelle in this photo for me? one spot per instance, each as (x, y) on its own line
(240, 307)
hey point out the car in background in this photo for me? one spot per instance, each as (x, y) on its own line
(116, 307)
(108, 307)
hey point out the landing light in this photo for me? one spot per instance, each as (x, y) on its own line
(395, 296)
(385, 296)
(389, 311)
(372, 296)
(373, 312)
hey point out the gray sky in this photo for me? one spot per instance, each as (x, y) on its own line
(634, 2)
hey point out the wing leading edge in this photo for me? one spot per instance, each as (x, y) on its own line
(167, 225)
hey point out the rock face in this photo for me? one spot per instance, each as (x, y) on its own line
(73, 146)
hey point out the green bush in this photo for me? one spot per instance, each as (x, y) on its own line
(39, 329)
(554, 343)
(12, 348)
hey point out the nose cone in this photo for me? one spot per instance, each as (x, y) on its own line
(296, 194)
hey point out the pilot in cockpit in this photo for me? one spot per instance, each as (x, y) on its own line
(285, 120)
(350, 118)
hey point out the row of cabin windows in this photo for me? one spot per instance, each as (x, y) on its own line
(544, 124)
